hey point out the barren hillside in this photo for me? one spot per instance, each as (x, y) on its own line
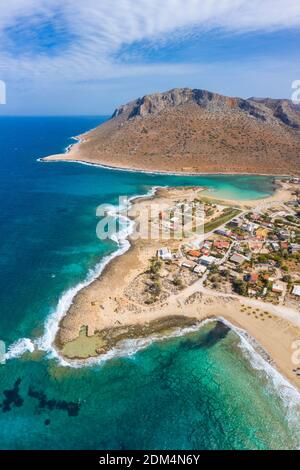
(185, 130)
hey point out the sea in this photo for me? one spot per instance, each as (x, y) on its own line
(203, 388)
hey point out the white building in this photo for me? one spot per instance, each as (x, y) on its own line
(237, 258)
(278, 287)
(275, 246)
(200, 269)
(296, 291)
(295, 247)
(164, 254)
(208, 260)
(250, 227)
(188, 265)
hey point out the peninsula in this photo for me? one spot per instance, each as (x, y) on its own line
(195, 131)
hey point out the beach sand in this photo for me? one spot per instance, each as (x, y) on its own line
(103, 314)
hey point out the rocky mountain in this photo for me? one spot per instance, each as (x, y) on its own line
(190, 130)
(284, 110)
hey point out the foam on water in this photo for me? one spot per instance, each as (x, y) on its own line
(127, 348)
(18, 348)
(288, 394)
(45, 343)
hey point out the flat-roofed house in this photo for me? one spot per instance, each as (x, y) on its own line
(200, 269)
(237, 258)
(294, 248)
(296, 291)
(275, 246)
(208, 260)
(164, 254)
(284, 235)
(278, 287)
(188, 265)
(250, 227)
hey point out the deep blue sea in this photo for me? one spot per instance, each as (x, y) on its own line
(187, 392)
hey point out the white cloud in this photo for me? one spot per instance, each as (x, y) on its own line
(102, 96)
(100, 28)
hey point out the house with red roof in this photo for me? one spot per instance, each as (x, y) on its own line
(221, 244)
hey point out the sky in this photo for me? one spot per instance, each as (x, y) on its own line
(86, 57)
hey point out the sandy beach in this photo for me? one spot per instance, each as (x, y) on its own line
(109, 310)
(283, 192)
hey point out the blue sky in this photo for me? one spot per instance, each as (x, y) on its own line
(87, 57)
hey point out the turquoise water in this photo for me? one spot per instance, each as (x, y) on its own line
(48, 245)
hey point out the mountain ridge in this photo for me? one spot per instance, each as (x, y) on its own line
(157, 102)
(186, 130)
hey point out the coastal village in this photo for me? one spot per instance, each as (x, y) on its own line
(238, 261)
(255, 254)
